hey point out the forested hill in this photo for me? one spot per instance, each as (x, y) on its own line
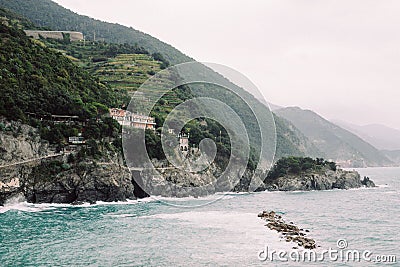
(46, 13)
(18, 21)
(36, 79)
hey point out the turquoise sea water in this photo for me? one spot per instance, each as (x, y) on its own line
(226, 232)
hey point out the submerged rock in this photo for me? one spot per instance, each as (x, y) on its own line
(367, 182)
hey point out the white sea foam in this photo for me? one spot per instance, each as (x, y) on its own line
(190, 201)
(237, 193)
(127, 202)
(19, 203)
(23, 206)
(123, 215)
(242, 224)
(382, 185)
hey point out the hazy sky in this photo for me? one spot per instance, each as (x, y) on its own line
(338, 58)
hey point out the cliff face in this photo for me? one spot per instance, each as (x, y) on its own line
(52, 179)
(20, 142)
(183, 182)
(84, 182)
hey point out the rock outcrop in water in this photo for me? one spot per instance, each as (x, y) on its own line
(290, 232)
(367, 182)
(304, 173)
(318, 180)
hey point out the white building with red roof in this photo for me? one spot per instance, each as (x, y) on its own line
(127, 118)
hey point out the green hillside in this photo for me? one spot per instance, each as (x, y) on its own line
(38, 83)
(43, 78)
(115, 69)
(292, 142)
(46, 13)
(336, 143)
(124, 68)
(127, 71)
(39, 80)
(121, 66)
(10, 18)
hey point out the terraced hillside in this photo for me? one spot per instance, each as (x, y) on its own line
(122, 67)
(127, 71)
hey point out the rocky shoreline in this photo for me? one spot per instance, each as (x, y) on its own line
(60, 180)
(289, 231)
(57, 179)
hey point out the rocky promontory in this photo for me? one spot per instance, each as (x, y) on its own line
(339, 179)
(304, 174)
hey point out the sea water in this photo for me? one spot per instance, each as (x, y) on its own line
(221, 230)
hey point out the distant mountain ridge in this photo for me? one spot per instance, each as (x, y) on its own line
(378, 135)
(334, 142)
(393, 155)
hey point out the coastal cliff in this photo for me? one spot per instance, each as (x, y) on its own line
(32, 168)
(182, 182)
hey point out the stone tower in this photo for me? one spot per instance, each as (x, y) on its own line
(184, 143)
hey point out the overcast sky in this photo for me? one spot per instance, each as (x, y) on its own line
(338, 58)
